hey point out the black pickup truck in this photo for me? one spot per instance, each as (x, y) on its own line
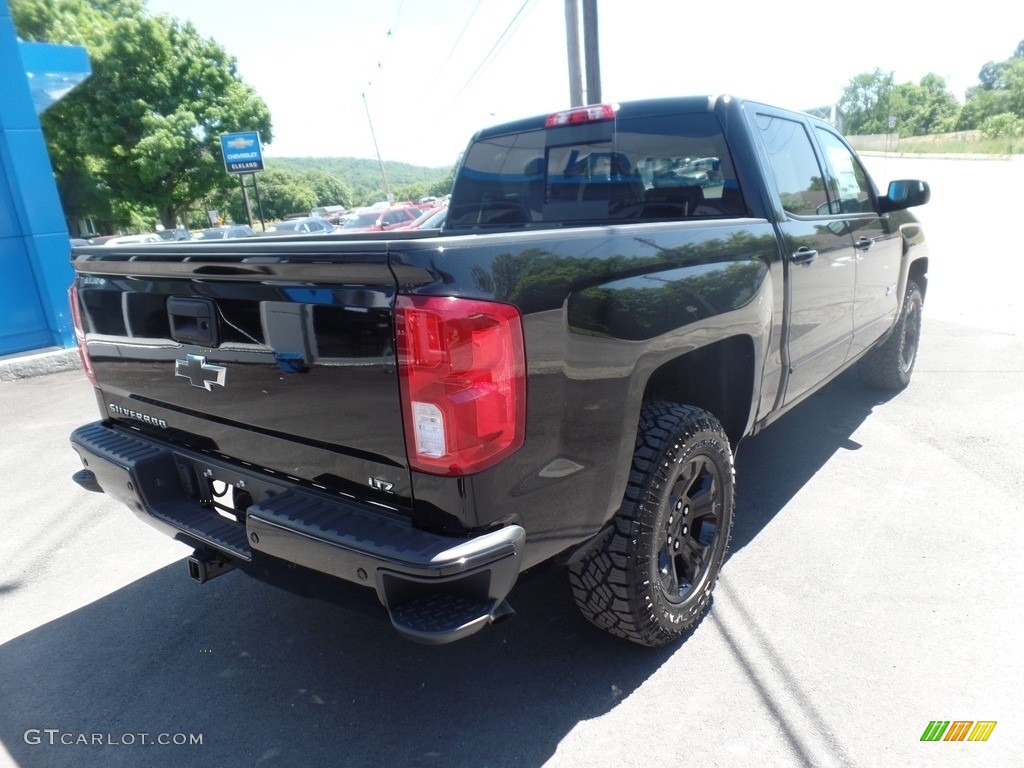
(620, 294)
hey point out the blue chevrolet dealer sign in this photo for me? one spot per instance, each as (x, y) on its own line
(242, 152)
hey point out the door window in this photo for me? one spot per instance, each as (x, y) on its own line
(797, 173)
(850, 184)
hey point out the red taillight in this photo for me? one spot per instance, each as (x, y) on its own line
(591, 114)
(462, 370)
(76, 319)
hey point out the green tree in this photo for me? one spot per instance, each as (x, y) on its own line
(280, 193)
(925, 108)
(1004, 126)
(81, 22)
(443, 186)
(144, 129)
(329, 190)
(1000, 90)
(411, 192)
(871, 98)
(981, 105)
(866, 102)
(228, 203)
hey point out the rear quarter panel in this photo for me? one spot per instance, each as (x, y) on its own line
(603, 308)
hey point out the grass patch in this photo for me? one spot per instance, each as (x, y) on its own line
(963, 147)
(962, 143)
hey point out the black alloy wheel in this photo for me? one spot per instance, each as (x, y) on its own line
(890, 366)
(650, 578)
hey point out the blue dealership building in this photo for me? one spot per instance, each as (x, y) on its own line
(34, 245)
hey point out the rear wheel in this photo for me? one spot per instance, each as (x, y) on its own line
(650, 579)
(890, 366)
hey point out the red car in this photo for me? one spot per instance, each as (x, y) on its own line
(431, 218)
(380, 219)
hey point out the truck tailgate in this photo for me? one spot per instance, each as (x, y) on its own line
(228, 349)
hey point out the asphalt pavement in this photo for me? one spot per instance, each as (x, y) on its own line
(873, 586)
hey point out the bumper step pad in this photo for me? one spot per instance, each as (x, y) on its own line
(436, 588)
(133, 470)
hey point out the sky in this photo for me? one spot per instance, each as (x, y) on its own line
(426, 74)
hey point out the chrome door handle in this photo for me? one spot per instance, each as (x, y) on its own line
(804, 256)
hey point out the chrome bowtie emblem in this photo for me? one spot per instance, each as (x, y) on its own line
(200, 373)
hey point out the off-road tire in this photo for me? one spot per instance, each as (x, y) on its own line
(890, 366)
(650, 579)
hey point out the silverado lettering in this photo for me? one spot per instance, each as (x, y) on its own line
(143, 417)
(620, 294)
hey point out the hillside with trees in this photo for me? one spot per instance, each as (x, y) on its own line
(295, 184)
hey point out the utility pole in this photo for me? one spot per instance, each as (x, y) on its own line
(383, 173)
(572, 40)
(590, 52)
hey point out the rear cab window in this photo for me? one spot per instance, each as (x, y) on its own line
(628, 169)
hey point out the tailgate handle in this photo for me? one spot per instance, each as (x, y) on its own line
(216, 269)
(193, 321)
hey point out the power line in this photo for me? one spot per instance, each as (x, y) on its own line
(488, 58)
(398, 15)
(389, 35)
(456, 44)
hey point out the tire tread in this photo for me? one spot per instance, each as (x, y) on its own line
(605, 583)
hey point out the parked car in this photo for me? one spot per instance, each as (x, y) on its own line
(329, 212)
(174, 235)
(308, 225)
(224, 233)
(380, 219)
(432, 218)
(133, 239)
(436, 217)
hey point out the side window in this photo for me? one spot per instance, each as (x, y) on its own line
(851, 185)
(791, 155)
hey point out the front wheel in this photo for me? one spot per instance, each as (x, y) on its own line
(650, 579)
(890, 366)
